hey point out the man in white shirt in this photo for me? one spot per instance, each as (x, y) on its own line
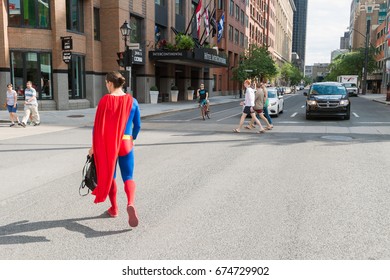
(30, 105)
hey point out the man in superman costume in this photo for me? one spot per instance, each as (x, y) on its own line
(117, 123)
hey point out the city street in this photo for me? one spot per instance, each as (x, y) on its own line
(308, 189)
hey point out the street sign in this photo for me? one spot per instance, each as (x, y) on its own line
(67, 57)
(67, 43)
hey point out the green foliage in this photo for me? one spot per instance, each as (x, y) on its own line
(351, 63)
(290, 73)
(256, 62)
(190, 88)
(153, 88)
(174, 87)
(184, 42)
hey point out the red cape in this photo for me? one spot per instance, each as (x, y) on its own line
(110, 121)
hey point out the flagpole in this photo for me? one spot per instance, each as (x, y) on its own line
(204, 31)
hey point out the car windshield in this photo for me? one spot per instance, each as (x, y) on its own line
(349, 85)
(271, 93)
(328, 90)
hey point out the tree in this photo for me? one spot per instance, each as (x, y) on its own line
(290, 74)
(351, 63)
(256, 62)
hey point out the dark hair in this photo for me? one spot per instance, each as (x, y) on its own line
(116, 78)
(9, 85)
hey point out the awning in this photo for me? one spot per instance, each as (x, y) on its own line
(197, 58)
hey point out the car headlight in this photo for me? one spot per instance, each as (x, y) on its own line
(273, 103)
(311, 102)
(344, 102)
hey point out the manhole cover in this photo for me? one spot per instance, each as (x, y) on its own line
(337, 138)
(76, 116)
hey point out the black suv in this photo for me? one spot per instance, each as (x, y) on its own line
(328, 99)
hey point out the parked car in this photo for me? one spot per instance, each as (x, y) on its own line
(276, 102)
(328, 99)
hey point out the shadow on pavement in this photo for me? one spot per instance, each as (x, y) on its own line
(14, 233)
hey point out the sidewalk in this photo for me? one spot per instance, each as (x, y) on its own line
(61, 120)
(377, 97)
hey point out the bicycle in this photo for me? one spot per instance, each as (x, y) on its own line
(203, 109)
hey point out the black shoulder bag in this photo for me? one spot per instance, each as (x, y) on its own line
(89, 177)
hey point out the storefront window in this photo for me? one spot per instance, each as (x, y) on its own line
(34, 67)
(76, 77)
(29, 13)
(74, 15)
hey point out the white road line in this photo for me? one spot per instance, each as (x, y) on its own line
(212, 114)
(356, 115)
(293, 115)
(229, 117)
(303, 106)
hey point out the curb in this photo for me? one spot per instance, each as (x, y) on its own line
(380, 101)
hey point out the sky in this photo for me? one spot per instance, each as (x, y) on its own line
(327, 20)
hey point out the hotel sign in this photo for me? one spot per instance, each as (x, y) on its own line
(67, 43)
(137, 56)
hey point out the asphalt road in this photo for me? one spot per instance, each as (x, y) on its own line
(315, 189)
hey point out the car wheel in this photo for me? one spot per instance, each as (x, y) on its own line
(348, 115)
(308, 117)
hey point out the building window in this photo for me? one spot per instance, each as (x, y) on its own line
(136, 27)
(220, 83)
(230, 33)
(220, 4)
(242, 39)
(76, 77)
(237, 12)
(32, 13)
(236, 36)
(34, 67)
(179, 7)
(242, 17)
(231, 8)
(74, 15)
(214, 82)
(160, 2)
(96, 23)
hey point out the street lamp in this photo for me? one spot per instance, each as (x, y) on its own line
(367, 38)
(126, 31)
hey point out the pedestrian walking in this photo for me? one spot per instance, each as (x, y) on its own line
(117, 124)
(30, 105)
(259, 107)
(263, 89)
(12, 105)
(248, 104)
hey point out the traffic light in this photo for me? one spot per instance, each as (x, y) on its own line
(121, 60)
(124, 58)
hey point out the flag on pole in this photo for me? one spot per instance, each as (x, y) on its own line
(213, 23)
(198, 17)
(206, 21)
(220, 27)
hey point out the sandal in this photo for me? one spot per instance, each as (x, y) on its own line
(248, 127)
(268, 128)
(261, 131)
(236, 130)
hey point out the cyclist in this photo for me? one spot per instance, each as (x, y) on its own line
(203, 96)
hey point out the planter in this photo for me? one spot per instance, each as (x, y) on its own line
(190, 94)
(153, 96)
(174, 94)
